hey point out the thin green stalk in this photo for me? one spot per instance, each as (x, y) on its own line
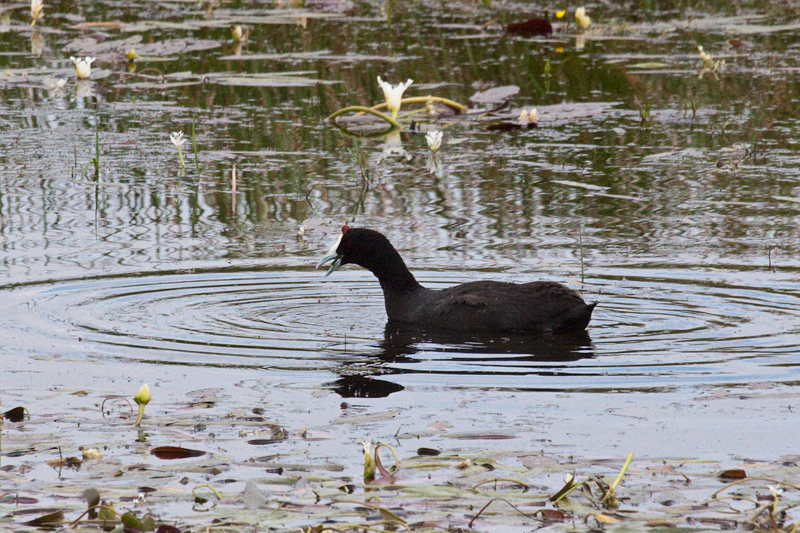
(194, 147)
(361, 109)
(580, 241)
(421, 99)
(96, 160)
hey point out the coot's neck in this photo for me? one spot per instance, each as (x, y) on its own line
(391, 271)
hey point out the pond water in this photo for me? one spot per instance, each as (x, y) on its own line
(667, 192)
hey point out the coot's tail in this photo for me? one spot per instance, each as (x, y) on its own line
(576, 319)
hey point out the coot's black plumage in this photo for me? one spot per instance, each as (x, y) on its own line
(537, 307)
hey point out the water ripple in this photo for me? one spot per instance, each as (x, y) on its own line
(653, 330)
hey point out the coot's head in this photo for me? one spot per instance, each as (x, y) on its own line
(360, 246)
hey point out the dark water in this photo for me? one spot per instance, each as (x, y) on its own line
(686, 221)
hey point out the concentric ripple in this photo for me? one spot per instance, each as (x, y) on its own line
(652, 330)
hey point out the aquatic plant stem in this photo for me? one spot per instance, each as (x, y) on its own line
(619, 478)
(194, 147)
(580, 242)
(206, 486)
(506, 479)
(421, 99)
(233, 189)
(362, 109)
(96, 159)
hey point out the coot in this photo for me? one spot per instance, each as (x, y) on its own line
(537, 307)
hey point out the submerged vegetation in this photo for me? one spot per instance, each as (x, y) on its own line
(197, 485)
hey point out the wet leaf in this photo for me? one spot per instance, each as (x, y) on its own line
(16, 499)
(553, 514)
(163, 528)
(257, 80)
(252, 497)
(109, 25)
(602, 518)
(107, 512)
(734, 473)
(660, 523)
(175, 452)
(531, 27)
(390, 516)
(47, 520)
(16, 414)
(510, 126)
(360, 419)
(494, 95)
(92, 497)
(263, 442)
(429, 452)
(481, 436)
(569, 485)
(65, 462)
(649, 64)
(129, 520)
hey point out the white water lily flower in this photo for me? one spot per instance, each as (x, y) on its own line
(37, 10)
(177, 138)
(434, 139)
(582, 19)
(83, 67)
(237, 32)
(394, 94)
(526, 118)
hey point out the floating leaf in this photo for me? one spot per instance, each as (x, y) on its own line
(70, 462)
(47, 520)
(164, 528)
(602, 518)
(92, 497)
(386, 415)
(494, 95)
(270, 80)
(649, 64)
(481, 436)
(733, 473)
(16, 414)
(108, 25)
(130, 521)
(430, 452)
(553, 514)
(175, 452)
(531, 27)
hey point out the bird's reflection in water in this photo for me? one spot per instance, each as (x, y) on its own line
(359, 386)
(402, 341)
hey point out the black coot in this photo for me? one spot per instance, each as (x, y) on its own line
(537, 307)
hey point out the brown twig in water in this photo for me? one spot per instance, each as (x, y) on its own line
(534, 517)
(307, 195)
(509, 480)
(102, 405)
